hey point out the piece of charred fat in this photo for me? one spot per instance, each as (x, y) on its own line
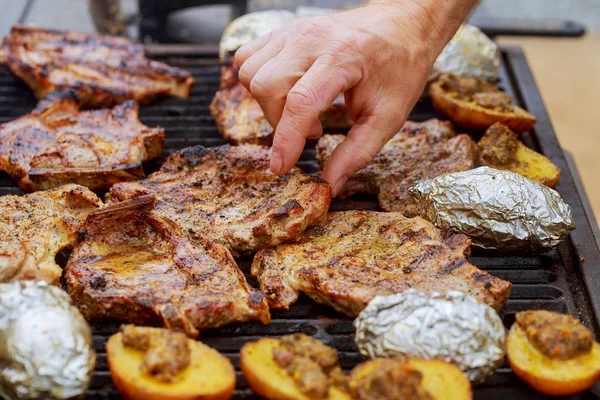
(250, 26)
(497, 209)
(45, 343)
(470, 53)
(453, 327)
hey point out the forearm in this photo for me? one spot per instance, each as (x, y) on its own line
(438, 19)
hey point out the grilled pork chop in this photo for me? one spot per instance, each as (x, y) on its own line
(240, 119)
(105, 70)
(353, 256)
(57, 144)
(419, 151)
(35, 227)
(229, 193)
(133, 265)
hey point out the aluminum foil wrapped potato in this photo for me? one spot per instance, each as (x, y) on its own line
(471, 53)
(453, 327)
(250, 26)
(45, 343)
(497, 209)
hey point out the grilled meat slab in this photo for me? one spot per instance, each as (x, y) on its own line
(240, 119)
(35, 227)
(133, 265)
(104, 70)
(57, 144)
(229, 193)
(353, 256)
(419, 151)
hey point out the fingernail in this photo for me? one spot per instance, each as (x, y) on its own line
(337, 188)
(276, 162)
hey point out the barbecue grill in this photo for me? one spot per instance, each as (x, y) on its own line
(562, 280)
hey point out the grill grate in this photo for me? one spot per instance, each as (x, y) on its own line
(556, 280)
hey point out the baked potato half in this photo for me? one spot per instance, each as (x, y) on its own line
(158, 364)
(500, 148)
(555, 354)
(476, 104)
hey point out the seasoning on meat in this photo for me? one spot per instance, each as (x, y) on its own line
(557, 336)
(57, 144)
(104, 70)
(419, 151)
(391, 380)
(166, 353)
(351, 257)
(313, 365)
(228, 193)
(34, 228)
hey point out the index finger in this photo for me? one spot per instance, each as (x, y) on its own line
(312, 94)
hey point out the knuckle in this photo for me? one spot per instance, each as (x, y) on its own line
(300, 98)
(315, 27)
(260, 87)
(244, 76)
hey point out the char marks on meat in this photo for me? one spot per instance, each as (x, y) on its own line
(229, 193)
(56, 144)
(419, 151)
(104, 70)
(353, 256)
(35, 227)
(134, 265)
(240, 119)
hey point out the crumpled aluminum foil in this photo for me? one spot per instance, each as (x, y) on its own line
(454, 327)
(471, 53)
(497, 209)
(45, 343)
(250, 26)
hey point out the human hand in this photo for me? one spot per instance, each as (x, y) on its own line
(379, 56)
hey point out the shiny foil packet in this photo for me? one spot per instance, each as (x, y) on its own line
(250, 26)
(454, 327)
(470, 53)
(45, 343)
(497, 209)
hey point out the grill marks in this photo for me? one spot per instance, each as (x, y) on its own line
(103, 70)
(352, 256)
(228, 193)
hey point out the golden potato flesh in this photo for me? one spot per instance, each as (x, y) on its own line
(209, 375)
(500, 148)
(268, 379)
(554, 377)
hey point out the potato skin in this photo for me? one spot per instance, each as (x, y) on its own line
(132, 385)
(471, 116)
(574, 376)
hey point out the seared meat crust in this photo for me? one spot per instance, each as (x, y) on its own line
(104, 70)
(57, 144)
(133, 265)
(419, 151)
(353, 256)
(229, 193)
(35, 227)
(240, 119)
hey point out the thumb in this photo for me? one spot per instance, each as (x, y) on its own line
(358, 149)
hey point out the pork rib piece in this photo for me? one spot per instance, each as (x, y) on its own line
(240, 119)
(419, 151)
(57, 144)
(136, 266)
(353, 256)
(229, 193)
(35, 227)
(105, 70)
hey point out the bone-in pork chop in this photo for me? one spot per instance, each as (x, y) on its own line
(57, 144)
(419, 151)
(104, 70)
(353, 256)
(136, 266)
(229, 193)
(240, 119)
(35, 227)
